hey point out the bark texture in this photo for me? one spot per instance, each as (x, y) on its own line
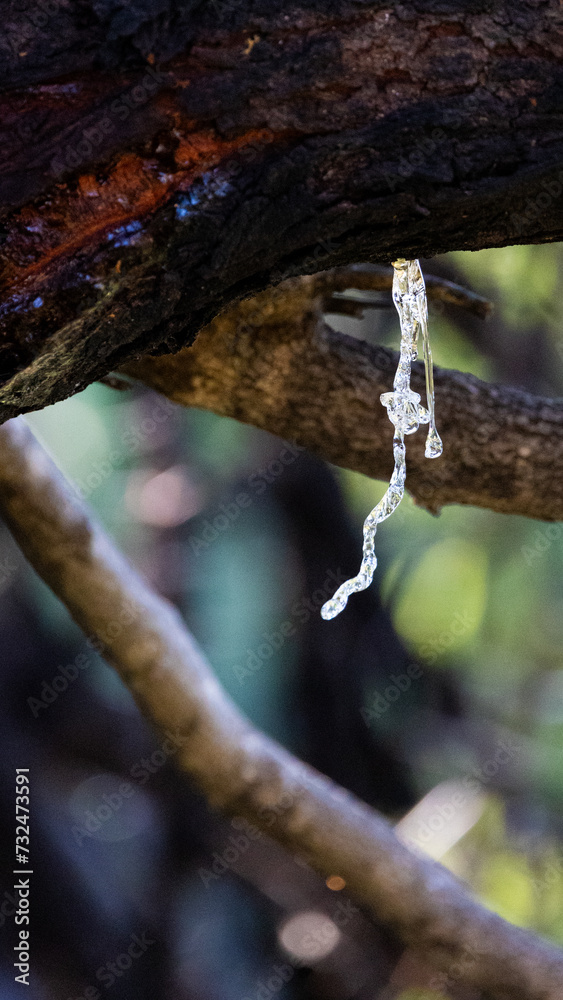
(273, 362)
(240, 770)
(160, 161)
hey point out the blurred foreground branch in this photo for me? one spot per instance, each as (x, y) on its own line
(240, 770)
(272, 361)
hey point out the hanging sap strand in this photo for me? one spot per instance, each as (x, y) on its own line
(405, 413)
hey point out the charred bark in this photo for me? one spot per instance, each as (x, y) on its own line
(161, 161)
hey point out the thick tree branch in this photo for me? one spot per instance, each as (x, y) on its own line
(157, 164)
(240, 770)
(273, 362)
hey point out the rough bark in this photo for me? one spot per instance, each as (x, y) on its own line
(240, 770)
(271, 139)
(273, 362)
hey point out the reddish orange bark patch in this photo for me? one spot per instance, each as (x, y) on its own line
(69, 220)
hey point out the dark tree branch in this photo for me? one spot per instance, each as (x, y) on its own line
(273, 362)
(374, 278)
(240, 770)
(157, 165)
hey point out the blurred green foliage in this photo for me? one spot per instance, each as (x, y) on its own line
(499, 574)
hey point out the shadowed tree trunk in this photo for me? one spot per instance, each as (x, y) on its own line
(160, 161)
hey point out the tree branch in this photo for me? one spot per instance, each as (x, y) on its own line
(240, 770)
(159, 164)
(273, 362)
(375, 278)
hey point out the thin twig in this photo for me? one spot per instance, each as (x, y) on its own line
(240, 770)
(374, 277)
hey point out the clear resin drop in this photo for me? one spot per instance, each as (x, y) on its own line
(405, 412)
